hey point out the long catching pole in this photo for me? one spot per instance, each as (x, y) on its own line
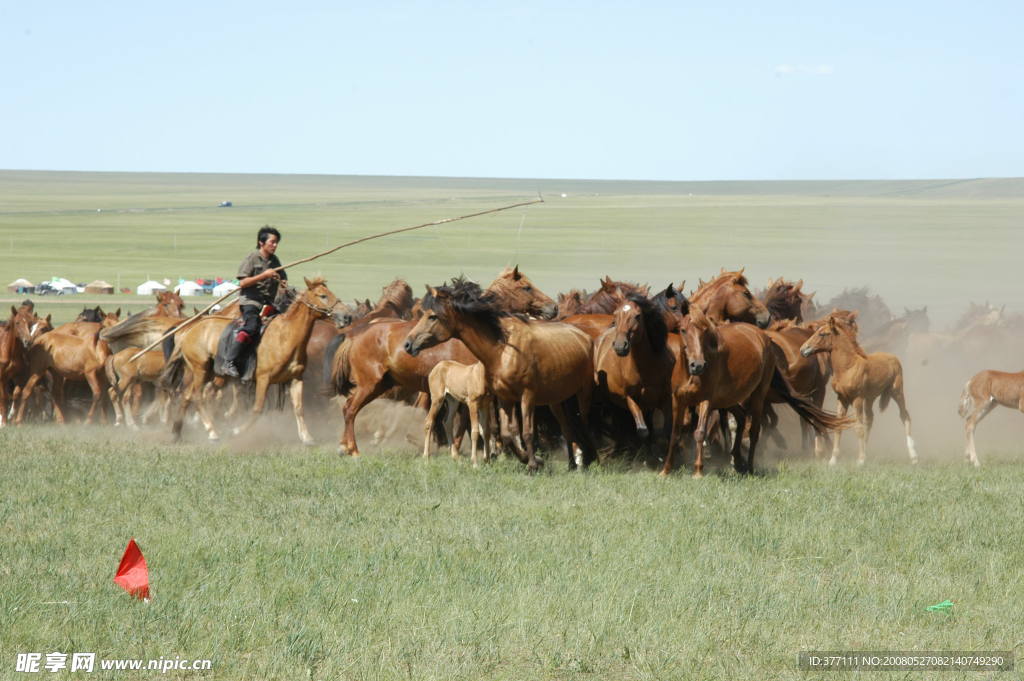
(224, 297)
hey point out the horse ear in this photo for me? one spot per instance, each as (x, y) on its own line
(798, 285)
(306, 279)
(117, 312)
(853, 314)
(669, 291)
(771, 282)
(742, 270)
(47, 319)
(14, 311)
(515, 272)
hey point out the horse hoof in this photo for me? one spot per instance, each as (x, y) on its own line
(308, 442)
(697, 475)
(643, 432)
(214, 438)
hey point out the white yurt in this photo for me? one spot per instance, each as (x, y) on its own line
(224, 288)
(149, 288)
(189, 288)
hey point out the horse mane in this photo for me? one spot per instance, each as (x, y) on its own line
(654, 323)
(398, 295)
(467, 298)
(705, 289)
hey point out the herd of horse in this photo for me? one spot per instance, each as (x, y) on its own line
(618, 365)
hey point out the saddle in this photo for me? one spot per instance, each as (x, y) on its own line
(246, 361)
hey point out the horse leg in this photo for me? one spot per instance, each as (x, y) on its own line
(201, 395)
(980, 412)
(262, 386)
(97, 395)
(428, 422)
(300, 419)
(638, 417)
(862, 411)
(567, 434)
(675, 417)
(26, 394)
(742, 426)
(843, 407)
(57, 398)
(474, 429)
(527, 407)
(698, 435)
(509, 430)
(359, 398)
(901, 402)
(115, 400)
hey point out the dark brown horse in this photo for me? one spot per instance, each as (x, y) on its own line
(728, 297)
(527, 363)
(731, 367)
(784, 299)
(633, 361)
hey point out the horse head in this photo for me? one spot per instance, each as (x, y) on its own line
(700, 340)
(319, 298)
(728, 297)
(434, 326)
(515, 293)
(826, 331)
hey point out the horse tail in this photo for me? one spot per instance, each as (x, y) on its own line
(341, 369)
(966, 401)
(327, 384)
(822, 421)
(172, 376)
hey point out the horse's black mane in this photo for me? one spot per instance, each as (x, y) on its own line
(469, 299)
(654, 324)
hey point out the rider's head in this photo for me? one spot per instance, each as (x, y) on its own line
(265, 233)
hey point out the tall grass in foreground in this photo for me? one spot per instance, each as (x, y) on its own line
(293, 563)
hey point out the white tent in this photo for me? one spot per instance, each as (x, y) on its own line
(60, 283)
(189, 288)
(23, 283)
(148, 288)
(224, 288)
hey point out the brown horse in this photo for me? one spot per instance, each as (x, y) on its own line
(280, 358)
(859, 379)
(728, 297)
(66, 358)
(529, 363)
(15, 335)
(125, 379)
(784, 299)
(518, 294)
(808, 375)
(90, 322)
(983, 393)
(633, 361)
(731, 367)
(370, 361)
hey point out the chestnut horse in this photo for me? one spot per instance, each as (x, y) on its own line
(280, 358)
(529, 363)
(16, 334)
(859, 379)
(125, 379)
(728, 297)
(370, 360)
(986, 390)
(731, 367)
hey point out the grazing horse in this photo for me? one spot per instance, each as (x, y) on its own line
(731, 367)
(466, 384)
(728, 297)
(986, 390)
(280, 358)
(529, 363)
(633, 361)
(859, 379)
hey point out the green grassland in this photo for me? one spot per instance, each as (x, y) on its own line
(284, 563)
(292, 563)
(938, 243)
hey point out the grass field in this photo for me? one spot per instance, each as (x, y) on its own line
(277, 562)
(293, 563)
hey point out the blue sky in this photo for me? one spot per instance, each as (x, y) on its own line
(640, 90)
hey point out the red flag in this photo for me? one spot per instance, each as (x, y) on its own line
(132, 574)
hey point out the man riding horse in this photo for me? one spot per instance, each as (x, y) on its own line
(258, 281)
